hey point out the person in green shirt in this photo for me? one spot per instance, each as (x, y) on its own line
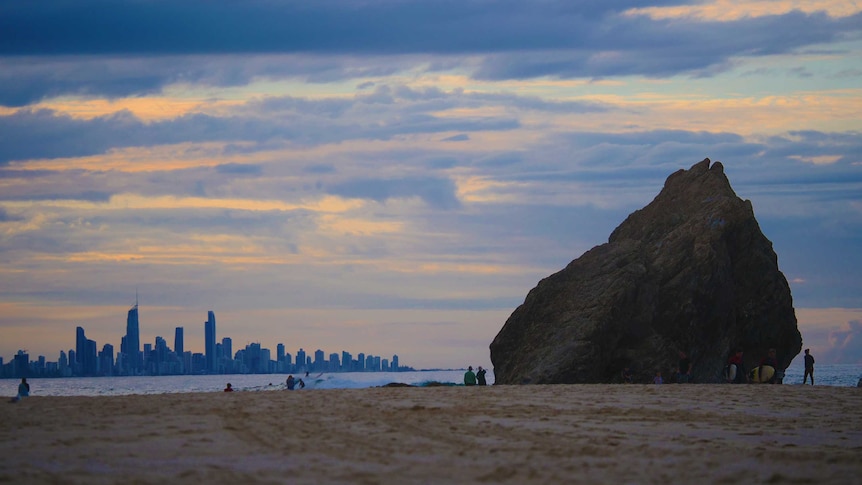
(469, 377)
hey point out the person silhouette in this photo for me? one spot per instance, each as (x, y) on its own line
(628, 377)
(480, 376)
(469, 377)
(809, 367)
(23, 390)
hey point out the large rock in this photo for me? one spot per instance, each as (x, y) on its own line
(691, 271)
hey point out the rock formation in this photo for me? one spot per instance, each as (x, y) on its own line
(691, 271)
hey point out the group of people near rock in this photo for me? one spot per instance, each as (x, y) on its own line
(767, 370)
(477, 378)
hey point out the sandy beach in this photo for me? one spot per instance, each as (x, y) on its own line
(498, 434)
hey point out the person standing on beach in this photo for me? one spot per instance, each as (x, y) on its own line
(469, 377)
(683, 371)
(480, 376)
(657, 379)
(291, 383)
(809, 367)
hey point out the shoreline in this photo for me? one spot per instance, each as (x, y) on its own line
(588, 433)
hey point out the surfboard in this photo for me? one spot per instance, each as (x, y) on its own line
(730, 373)
(768, 372)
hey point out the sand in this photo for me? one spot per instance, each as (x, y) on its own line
(498, 434)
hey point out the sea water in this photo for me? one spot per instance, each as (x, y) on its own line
(116, 386)
(825, 375)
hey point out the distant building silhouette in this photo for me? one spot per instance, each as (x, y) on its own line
(178, 341)
(131, 344)
(159, 359)
(210, 342)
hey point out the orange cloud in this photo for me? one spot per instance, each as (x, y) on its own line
(151, 108)
(140, 202)
(730, 10)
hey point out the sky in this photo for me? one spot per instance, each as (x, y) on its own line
(393, 177)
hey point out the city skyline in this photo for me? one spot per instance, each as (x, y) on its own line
(85, 359)
(400, 174)
(159, 359)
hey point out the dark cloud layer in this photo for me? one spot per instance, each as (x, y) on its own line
(435, 191)
(32, 134)
(129, 48)
(63, 27)
(239, 169)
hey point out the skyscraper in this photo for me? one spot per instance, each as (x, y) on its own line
(178, 342)
(106, 360)
(85, 352)
(132, 344)
(300, 361)
(227, 348)
(210, 342)
(80, 350)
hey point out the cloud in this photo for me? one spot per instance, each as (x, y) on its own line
(43, 133)
(239, 169)
(81, 194)
(846, 343)
(435, 191)
(27, 79)
(6, 217)
(100, 48)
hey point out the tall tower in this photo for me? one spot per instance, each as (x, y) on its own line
(85, 354)
(227, 348)
(210, 341)
(80, 351)
(132, 348)
(300, 361)
(178, 342)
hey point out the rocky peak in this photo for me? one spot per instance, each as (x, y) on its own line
(691, 271)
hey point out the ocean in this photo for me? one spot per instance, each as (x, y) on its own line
(116, 386)
(826, 374)
(842, 375)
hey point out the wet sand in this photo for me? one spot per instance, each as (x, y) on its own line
(498, 434)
